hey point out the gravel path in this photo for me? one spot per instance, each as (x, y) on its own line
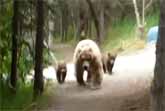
(127, 89)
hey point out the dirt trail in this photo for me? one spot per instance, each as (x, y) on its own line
(65, 50)
(126, 90)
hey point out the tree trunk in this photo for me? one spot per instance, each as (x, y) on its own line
(83, 24)
(13, 76)
(38, 77)
(158, 86)
(140, 21)
(136, 13)
(96, 21)
(101, 21)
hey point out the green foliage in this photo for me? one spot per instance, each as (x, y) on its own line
(17, 101)
(5, 37)
(120, 31)
(23, 99)
(152, 20)
(122, 34)
(49, 57)
(25, 41)
(25, 62)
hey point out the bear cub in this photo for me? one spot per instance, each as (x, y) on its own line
(61, 72)
(108, 61)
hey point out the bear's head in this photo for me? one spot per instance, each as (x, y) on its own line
(86, 57)
(61, 72)
(110, 62)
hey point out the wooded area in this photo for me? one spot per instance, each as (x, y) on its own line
(28, 29)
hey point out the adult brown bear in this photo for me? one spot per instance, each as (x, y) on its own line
(108, 61)
(87, 56)
(61, 72)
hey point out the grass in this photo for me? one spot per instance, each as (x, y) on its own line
(22, 100)
(119, 34)
(152, 20)
(123, 36)
(17, 101)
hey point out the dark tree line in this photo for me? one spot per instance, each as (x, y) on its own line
(96, 21)
(158, 86)
(13, 77)
(71, 17)
(38, 77)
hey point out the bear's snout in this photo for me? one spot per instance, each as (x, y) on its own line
(63, 70)
(86, 65)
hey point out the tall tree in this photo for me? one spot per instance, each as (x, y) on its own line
(158, 86)
(13, 76)
(38, 77)
(83, 24)
(101, 19)
(141, 19)
(96, 20)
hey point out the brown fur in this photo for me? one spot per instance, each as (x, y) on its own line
(108, 61)
(88, 51)
(61, 72)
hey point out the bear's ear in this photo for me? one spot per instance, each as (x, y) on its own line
(79, 51)
(109, 54)
(82, 56)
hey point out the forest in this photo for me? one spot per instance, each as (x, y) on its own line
(35, 35)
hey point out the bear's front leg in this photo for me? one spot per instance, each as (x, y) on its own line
(58, 76)
(79, 75)
(63, 77)
(89, 77)
(97, 80)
